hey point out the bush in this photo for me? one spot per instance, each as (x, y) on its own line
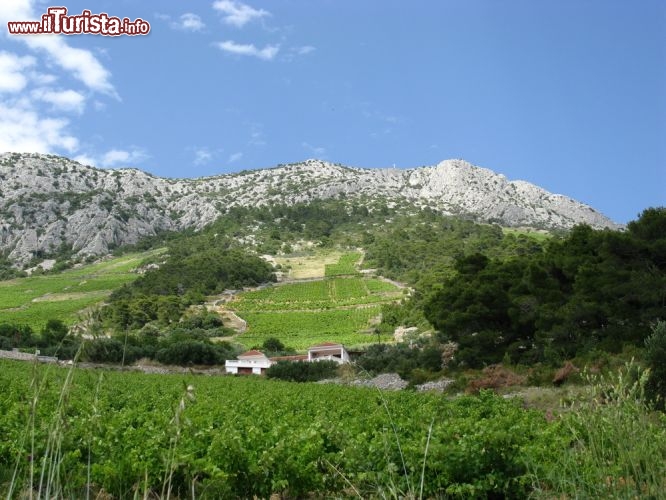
(16, 335)
(68, 349)
(103, 350)
(54, 332)
(204, 320)
(655, 355)
(302, 371)
(401, 359)
(495, 377)
(273, 344)
(194, 352)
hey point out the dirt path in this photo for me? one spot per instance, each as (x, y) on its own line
(230, 318)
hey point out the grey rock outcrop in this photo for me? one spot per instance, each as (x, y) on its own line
(47, 201)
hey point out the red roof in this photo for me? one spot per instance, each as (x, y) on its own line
(327, 344)
(295, 357)
(251, 353)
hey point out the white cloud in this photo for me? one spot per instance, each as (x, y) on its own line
(85, 160)
(23, 130)
(202, 156)
(317, 150)
(16, 10)
(24, 127)
(12, 78)
(82, 64)
(32, 105)
(64, 100)
(237, 13)
(186, 22)
(267, 53)
(234, 157)
(306, 49)
(117, 157)
(114, 158)
(42, 78)
(257, 138)
(190, 22)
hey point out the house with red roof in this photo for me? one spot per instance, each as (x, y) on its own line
(249, 363)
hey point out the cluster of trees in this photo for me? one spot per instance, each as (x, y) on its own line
(421, 248)
(192, 341)
(214, 259)
(51, 341)
(302, 371)
(409, 361)
(194, 267)
(592, 290)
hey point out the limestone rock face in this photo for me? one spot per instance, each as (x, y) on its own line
(47, 201)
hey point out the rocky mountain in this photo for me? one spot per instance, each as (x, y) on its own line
(47, 201)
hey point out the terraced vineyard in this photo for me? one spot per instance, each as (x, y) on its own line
(316, 295)
(305, 328)
(346, 265)
(302, 314)
(36, 299)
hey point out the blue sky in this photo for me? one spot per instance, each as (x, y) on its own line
(567, 94)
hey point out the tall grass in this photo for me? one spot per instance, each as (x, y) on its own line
(615, 445)
(177, 424)
(45, 462)
(49, 483)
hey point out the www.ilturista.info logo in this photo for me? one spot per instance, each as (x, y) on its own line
(56, 21)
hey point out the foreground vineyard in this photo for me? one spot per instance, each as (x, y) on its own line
(244, 437)
(78, 433)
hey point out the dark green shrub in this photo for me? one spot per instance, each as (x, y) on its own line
(17, 335)
(655, 356)
(204, 320)
(400, 358)
(54, 332)
(272, 344)
(194, 352)
(302, 371)
(103, 350)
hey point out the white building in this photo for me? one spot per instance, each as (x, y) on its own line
(256, 363)
(250, 362)
(329, 351)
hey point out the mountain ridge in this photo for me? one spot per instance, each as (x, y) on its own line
(48, 201)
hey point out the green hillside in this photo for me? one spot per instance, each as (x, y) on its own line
(36, 299)
(301, 314)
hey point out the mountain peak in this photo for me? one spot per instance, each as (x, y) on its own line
(48, 200)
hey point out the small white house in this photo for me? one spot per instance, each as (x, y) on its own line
(250, 363)
(329, 351)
